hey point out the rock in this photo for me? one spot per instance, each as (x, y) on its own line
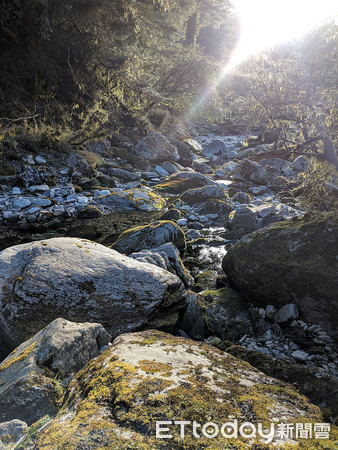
(40, 160)
(42, 202)
(132, 199)
(21, 203)
(16, 191)
(287, 313)
(270, 312)
(124, 174)
(39, 188)
(151, 376)
(299, 355)
(205, 280)
(194, 145)
(11, 433)
(300, 164)
(193, 320)
(180, 182)
(216, 147)
(243, 218)
(36, 175)
(251, 171)
(156, 148)
(28, 389)
(227, 314)
(150, 236)
(201, 167)
(161, 172)
(241, 197)
(290, 262)
(83, 281)
(203, 194)
(144, 377)
(186, 156)
(80, 164)
(170, 167)
(172, 214)
(171, 256)
(215, 206)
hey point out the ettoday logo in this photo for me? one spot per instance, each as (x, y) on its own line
(246, 430)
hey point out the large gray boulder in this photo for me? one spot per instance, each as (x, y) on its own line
(82, 281)
(156, 148)
(115, 401)
(150, 236)
(33, 376)
(132, 199)
(290, 262)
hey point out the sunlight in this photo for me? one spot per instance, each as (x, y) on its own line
(266, 23)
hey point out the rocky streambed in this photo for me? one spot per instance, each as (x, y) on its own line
(197, 239)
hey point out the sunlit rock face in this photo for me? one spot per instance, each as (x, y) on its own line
(85, 282)
(152, 376)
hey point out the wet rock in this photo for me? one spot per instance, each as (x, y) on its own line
(150, 236)
(193, 320)
(82, 281)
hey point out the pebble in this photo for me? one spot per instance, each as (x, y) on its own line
(21, 203)
(40, 160)
(43, 202)
(16, 191)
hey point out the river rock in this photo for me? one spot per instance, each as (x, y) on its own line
(168, 255)
(124, 175)
(152, 376)
(290, 262)
(300, 164)
(82, 281)
(178, 183)
(215, 147)
(32, 377)
(11, 433)
(132, 199)
(243, 218)
(287, 314)
(150, 236)
(203, 194)
(156, 148)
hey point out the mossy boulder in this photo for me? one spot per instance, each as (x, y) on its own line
(33, 376)
(156, 148)
(203, 194)
(290, 262)
(150, 236)
(178, 183)
(205, 280)
(115, 401)
(133, 199)
(227, 314)
(83, 282)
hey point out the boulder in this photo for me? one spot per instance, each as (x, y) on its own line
(156, 148)
(193, 321)
(243, 218)
(300, 164)
(186, 156)
(227, 314)
(202, 167)
(124, 175)
(177, 183)
(216, 147)
(82, 281)
(200, 195)
(169, 254)
(241, 197)
(150, 236)
(32, 377)
(290, 262)
(286, 314)
(132, 199)
(170, 167)
(151, 376)
(194, 145)
(251, 171)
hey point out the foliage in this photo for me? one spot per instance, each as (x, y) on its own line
(76, 69)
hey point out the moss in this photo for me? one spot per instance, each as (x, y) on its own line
(154, 367)
(23, 355)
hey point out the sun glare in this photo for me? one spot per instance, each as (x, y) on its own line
(266, 23)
